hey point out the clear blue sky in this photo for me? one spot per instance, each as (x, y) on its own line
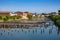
(30, 5)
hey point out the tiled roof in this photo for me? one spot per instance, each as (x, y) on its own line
(19, 13)
(4, 12)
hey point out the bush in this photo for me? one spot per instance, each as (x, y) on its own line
(5, 19)
(58, 22)
(0, 17)
(29, 16)
(18, 17)
(56, 17)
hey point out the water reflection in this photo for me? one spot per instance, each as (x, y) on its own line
(58, 32)
(43, 31)
(50, 31)
(1, 34)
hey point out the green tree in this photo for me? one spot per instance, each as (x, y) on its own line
(59, 12)
(29, 16)
(5, 19)
(12, 17)
(19, 17)
(0, 17)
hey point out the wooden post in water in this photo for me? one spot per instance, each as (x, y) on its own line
(4, 25)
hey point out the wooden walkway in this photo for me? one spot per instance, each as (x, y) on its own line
(21, 23)
(17, 25)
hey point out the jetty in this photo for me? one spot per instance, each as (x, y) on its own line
(20, 23)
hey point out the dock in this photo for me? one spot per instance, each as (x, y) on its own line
(20, 23)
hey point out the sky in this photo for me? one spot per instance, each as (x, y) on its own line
(38, 6)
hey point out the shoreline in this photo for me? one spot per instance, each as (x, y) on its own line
(19, 24)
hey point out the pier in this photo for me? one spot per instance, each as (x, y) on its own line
(20, 23)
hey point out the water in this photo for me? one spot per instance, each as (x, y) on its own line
(45, 31)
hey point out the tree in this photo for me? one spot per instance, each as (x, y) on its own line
(0, 17)
(43, 14)
(18, 17)
(12, 17)
(29, 16)
(59, 12)
(5, 19)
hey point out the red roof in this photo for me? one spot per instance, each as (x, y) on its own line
(28, 12)
(19, 13)
(4, 12)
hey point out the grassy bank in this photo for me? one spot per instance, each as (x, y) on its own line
(56, 19)
(9, 18)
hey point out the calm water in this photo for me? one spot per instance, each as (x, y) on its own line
(45, 31)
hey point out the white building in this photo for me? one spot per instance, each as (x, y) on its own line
(12, 14)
